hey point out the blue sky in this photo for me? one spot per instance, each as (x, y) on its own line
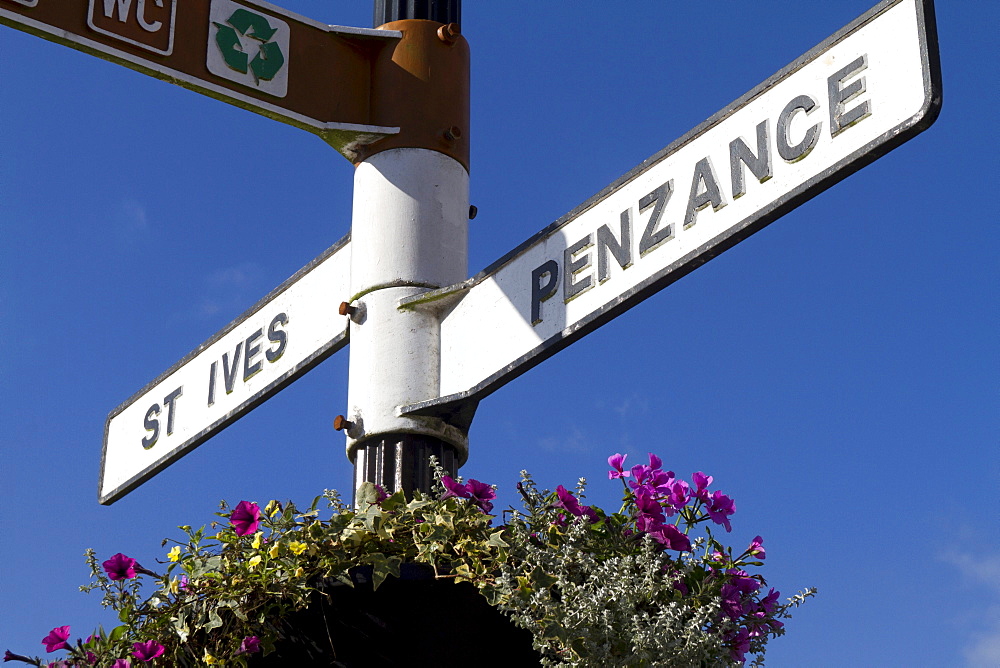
(837, 373)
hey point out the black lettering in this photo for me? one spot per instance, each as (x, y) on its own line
(840, 119)
(229, 372)
(622, 251)
(651, 237)
(795, 153)
(211, 383)
(278, 336)
(759, 165)
(704, 191)
(250, 350)
(153, 425)
(540, 292)
(168, 402)
(573, 267)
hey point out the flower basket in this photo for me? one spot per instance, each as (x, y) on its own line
(412, 620)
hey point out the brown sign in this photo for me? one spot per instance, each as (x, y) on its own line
(256, 56)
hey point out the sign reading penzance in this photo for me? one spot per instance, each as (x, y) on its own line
(860, 93)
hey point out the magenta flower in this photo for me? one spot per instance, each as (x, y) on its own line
(651, 478)
(720, 507)
(482, 494)
(147, 651)
(245, 518)
(649, 517)
(453, 488)
(732, 600)
(56, 639)
(769, 604)
(701, 482)
(183, 584)
(672, 538)
(756, 548)
(570, 504)
(739, 645)
(616, 462)
(679, 494)
(250, 645)
(120, 567)
(121, 663)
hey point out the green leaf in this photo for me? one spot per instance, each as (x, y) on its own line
(383, 567)
(541, 579)
(214, 621)
(117, 633)
(181, 628)
(496, 540)
(366, 495)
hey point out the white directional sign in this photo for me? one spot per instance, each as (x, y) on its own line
(284, 335)
(860, 93)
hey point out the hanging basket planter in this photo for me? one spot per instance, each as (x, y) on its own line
(412, 620)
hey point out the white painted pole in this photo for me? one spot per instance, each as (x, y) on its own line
(409, 235)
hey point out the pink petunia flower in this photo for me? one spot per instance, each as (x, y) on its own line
(120, 567)
(56, 639)
(147, 651)
(250, 645)
(245, 518)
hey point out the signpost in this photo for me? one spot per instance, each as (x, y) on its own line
(429, 346)
(250, 54)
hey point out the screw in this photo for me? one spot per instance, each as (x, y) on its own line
(449, 34)
(473, 212)
(340, 423)
(346, 309)
(453, 133)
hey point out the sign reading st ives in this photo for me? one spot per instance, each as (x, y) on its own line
(273, 343)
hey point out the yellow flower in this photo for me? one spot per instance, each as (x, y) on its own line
(175, 553)
(174, 586)
(256, 540)
(299, 572)
(273, 551)
(254, 562)
(297, 547)
(208, 658)
(272, 508)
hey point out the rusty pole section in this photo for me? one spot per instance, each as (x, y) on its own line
(409, 235)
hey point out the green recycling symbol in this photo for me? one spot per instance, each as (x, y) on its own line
(268, 60)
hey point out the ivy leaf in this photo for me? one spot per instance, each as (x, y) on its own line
(383, 567)
(541, 579)
(181, 627)
(367, 495)
(214, 621)
(496, 540)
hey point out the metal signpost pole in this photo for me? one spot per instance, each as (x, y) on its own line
(409, 234)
